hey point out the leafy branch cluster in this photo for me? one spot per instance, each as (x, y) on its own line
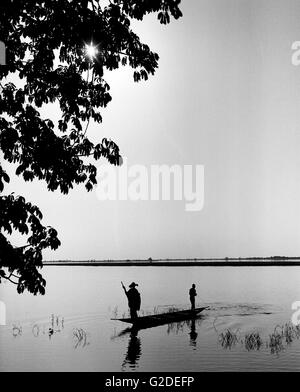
(45, 43)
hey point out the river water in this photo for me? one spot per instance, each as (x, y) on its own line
(69, 329)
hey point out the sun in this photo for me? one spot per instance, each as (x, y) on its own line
(91, 50)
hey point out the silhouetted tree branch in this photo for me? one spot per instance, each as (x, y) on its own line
(45, 47)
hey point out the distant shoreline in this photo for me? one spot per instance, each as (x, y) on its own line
(230, 262)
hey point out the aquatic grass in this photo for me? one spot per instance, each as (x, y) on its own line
(275, 343)
(115, 312)
(17, 330)
(81, 338)
(176, 327)
(286, 333)
(290, 332)
(253, 341)
(278, 340)
(155, 310)
(229, 338)
(35, 330)
(56, 325)
(297, 331)
(172, 309)
(57, 322)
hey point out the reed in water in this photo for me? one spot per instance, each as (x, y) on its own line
(278, 340)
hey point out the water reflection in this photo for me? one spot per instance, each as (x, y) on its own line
(134, 350)
(193, 334)
(134, 347)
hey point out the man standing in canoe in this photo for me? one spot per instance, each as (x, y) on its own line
(193, 295)
(134, 299)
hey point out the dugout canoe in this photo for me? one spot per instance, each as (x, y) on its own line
(162, 318)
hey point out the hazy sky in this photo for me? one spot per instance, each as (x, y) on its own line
(225, 96)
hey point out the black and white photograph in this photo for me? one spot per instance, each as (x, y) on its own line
(150, 189)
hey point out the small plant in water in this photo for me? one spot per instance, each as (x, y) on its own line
(275, 342)
(282, 336)
(172, 309)
(229, 338)
(36, 330)
(290, 332)
(176, 327)
(56, 325)
(253, 341)
(80, 337)
(286, 333)
(115, 312)
(16, 330)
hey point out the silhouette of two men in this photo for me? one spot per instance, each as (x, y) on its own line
(134, 298)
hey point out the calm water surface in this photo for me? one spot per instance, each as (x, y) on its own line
(83, 299)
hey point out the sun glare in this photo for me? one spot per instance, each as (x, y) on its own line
(91, 51)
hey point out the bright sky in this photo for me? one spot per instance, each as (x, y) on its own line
(225, 96)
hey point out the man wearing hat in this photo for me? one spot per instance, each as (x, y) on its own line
(134, 299)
